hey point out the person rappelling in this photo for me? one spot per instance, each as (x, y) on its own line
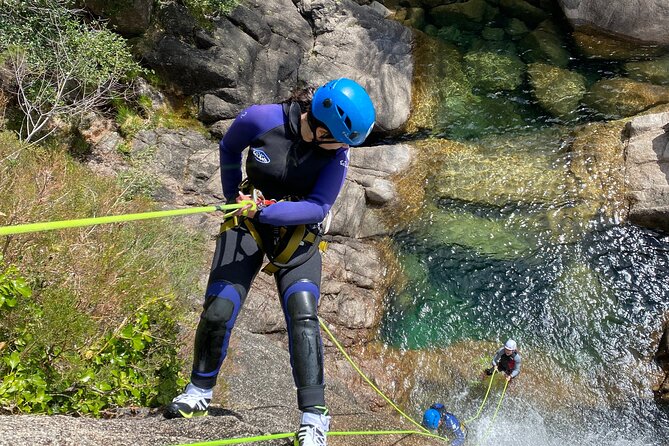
(297, 163)
(438, 420)
(507, 361)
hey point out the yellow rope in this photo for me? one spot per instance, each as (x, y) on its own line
(492, 377)
(357, 369)
(499, 403)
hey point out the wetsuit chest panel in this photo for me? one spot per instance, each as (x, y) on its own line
(280, 166)
(507, 363)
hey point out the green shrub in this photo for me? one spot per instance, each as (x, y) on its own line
(61, 66)
(90, 322)
(209, 9)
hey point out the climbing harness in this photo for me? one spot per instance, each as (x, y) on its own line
(287, 238)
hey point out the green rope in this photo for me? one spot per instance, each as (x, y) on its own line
(292, 434)
(242, 440)
(357, 369)
(492, 377)
(64, 224)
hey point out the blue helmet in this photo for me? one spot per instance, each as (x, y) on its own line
(431, 419)
(346, 110)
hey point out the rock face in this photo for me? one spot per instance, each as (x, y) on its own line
(662, 358)
(647, 170)
(128, 17)
(262, 50)
(621, 18)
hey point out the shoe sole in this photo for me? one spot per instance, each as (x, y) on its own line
(187, 415)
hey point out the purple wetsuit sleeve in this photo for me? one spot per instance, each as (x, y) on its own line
(316, 205)
(248, 125)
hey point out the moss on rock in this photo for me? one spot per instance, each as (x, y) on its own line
(558, 91)
(493, 72)
(621, 97)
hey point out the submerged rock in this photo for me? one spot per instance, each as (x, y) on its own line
(596, 163)
(493, 238)
(466, 15)
(559, 91)
(544, 44)
(607, 47)
(620, 97)
(493, 72)
(498, 179)
(653, 71)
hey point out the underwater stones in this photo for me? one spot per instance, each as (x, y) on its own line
(524, 11)
(603, 46)
(653, 71)
(416, 18)
(516, 28)
(493, 72)
(620, 97)
(488, 237)
(596, 163)
(489, 33)
(559, 91)
(544, 44)
(469, 175)
(467, 15)
(439, 79)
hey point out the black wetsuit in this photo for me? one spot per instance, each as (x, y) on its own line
(280, 165)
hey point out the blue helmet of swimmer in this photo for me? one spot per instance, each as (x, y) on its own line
(346, 109)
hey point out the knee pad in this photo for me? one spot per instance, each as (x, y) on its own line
(213, 333)
(304, 338)
(297, 293)
(301, 306)
(218, 311)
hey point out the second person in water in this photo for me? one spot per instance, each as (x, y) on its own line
(507, 360)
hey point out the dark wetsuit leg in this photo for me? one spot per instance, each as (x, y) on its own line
(299, 289)
(236, 262)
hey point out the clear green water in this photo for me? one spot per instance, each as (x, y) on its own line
(582, 303)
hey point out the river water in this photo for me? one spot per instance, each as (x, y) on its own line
(585, 299)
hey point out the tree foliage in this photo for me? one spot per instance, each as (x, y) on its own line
(61, 66)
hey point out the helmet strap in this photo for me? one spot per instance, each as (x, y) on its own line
(314, 124)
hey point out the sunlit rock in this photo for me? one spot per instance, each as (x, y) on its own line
(653, 71)
(493, 72)
(620, 97)
(640, 21)
(646, 170)
(559, 91)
